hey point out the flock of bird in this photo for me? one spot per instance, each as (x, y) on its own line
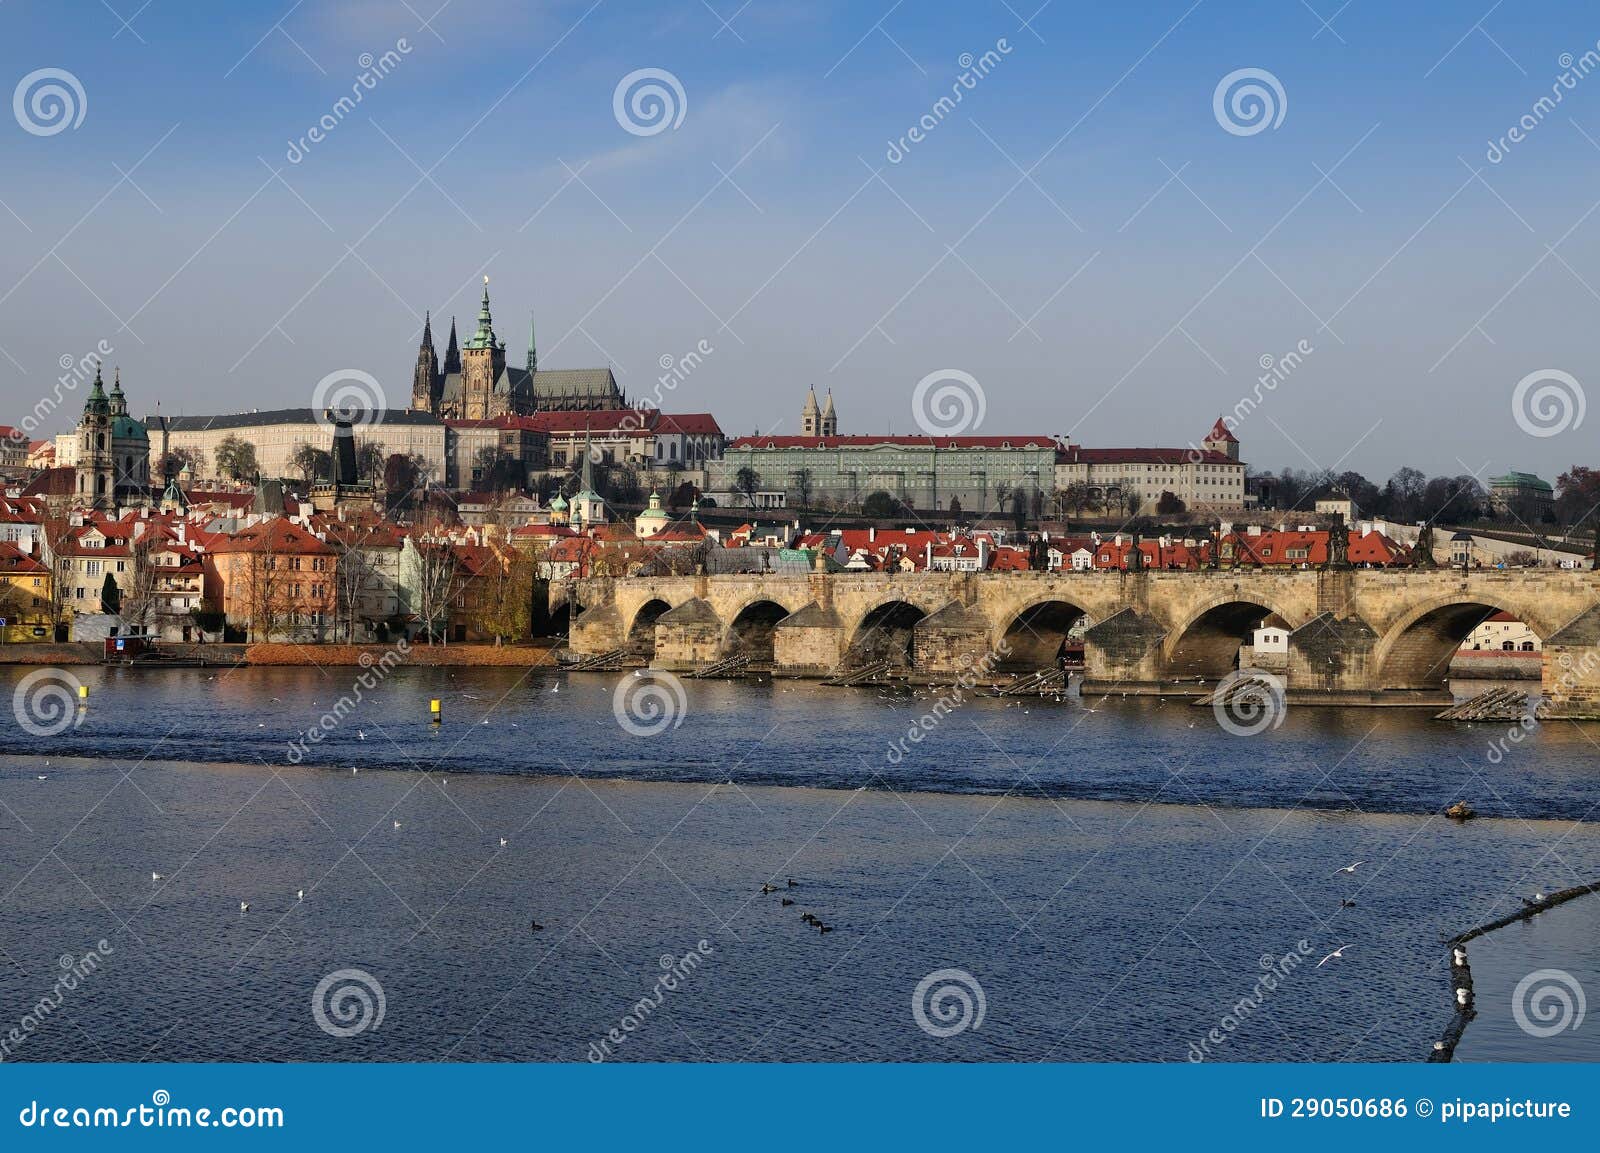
(811, 919)
(1344, 903)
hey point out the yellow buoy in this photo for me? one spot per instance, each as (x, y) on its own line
(433, 707)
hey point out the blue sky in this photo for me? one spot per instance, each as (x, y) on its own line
(1080, 234)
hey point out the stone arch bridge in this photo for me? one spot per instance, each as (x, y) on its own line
(1375, 634)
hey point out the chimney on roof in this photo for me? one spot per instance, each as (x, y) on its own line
(872, 535)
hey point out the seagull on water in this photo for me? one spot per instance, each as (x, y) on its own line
(361, 734)
(1336, 954)
(1350, 868)
(555, 688)
(154, 877)
(397, 824)
(299, 894)
(244, 907)
(502, 842)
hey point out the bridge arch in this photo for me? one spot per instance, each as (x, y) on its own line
(1206, 644)
(885, 633)
(1416, 651)
(751, 631)
(642, 629)
(1035, 636)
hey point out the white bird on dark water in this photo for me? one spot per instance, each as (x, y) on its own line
(361, 734)
(154, 877)
(299, 894)
(1337, 954)
(1350, 868)
(502, 842)
(244, 906)
(397, 824)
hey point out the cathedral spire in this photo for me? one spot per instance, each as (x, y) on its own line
(533, 348)
(427, 330)
(452, 353)
(484, 337)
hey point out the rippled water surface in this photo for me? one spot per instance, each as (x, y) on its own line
(1111, 873)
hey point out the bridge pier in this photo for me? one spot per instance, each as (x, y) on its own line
(809, 642)
(688, 636)
(1571, 680)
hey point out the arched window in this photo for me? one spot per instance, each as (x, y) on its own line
(1527, 646)
(1508, 646)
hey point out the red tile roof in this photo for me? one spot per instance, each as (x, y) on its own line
(1020, 441)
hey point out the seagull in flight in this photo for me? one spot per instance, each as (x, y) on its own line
(397, 824)
(1350, 868)
(361, 734)
(1336, 954)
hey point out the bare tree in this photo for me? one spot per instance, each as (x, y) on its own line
(438, 586)
(139, 600)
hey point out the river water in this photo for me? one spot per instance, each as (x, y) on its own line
(1112, 879)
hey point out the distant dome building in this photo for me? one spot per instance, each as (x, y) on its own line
(113, 468)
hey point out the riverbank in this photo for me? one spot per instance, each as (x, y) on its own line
(530, 654)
